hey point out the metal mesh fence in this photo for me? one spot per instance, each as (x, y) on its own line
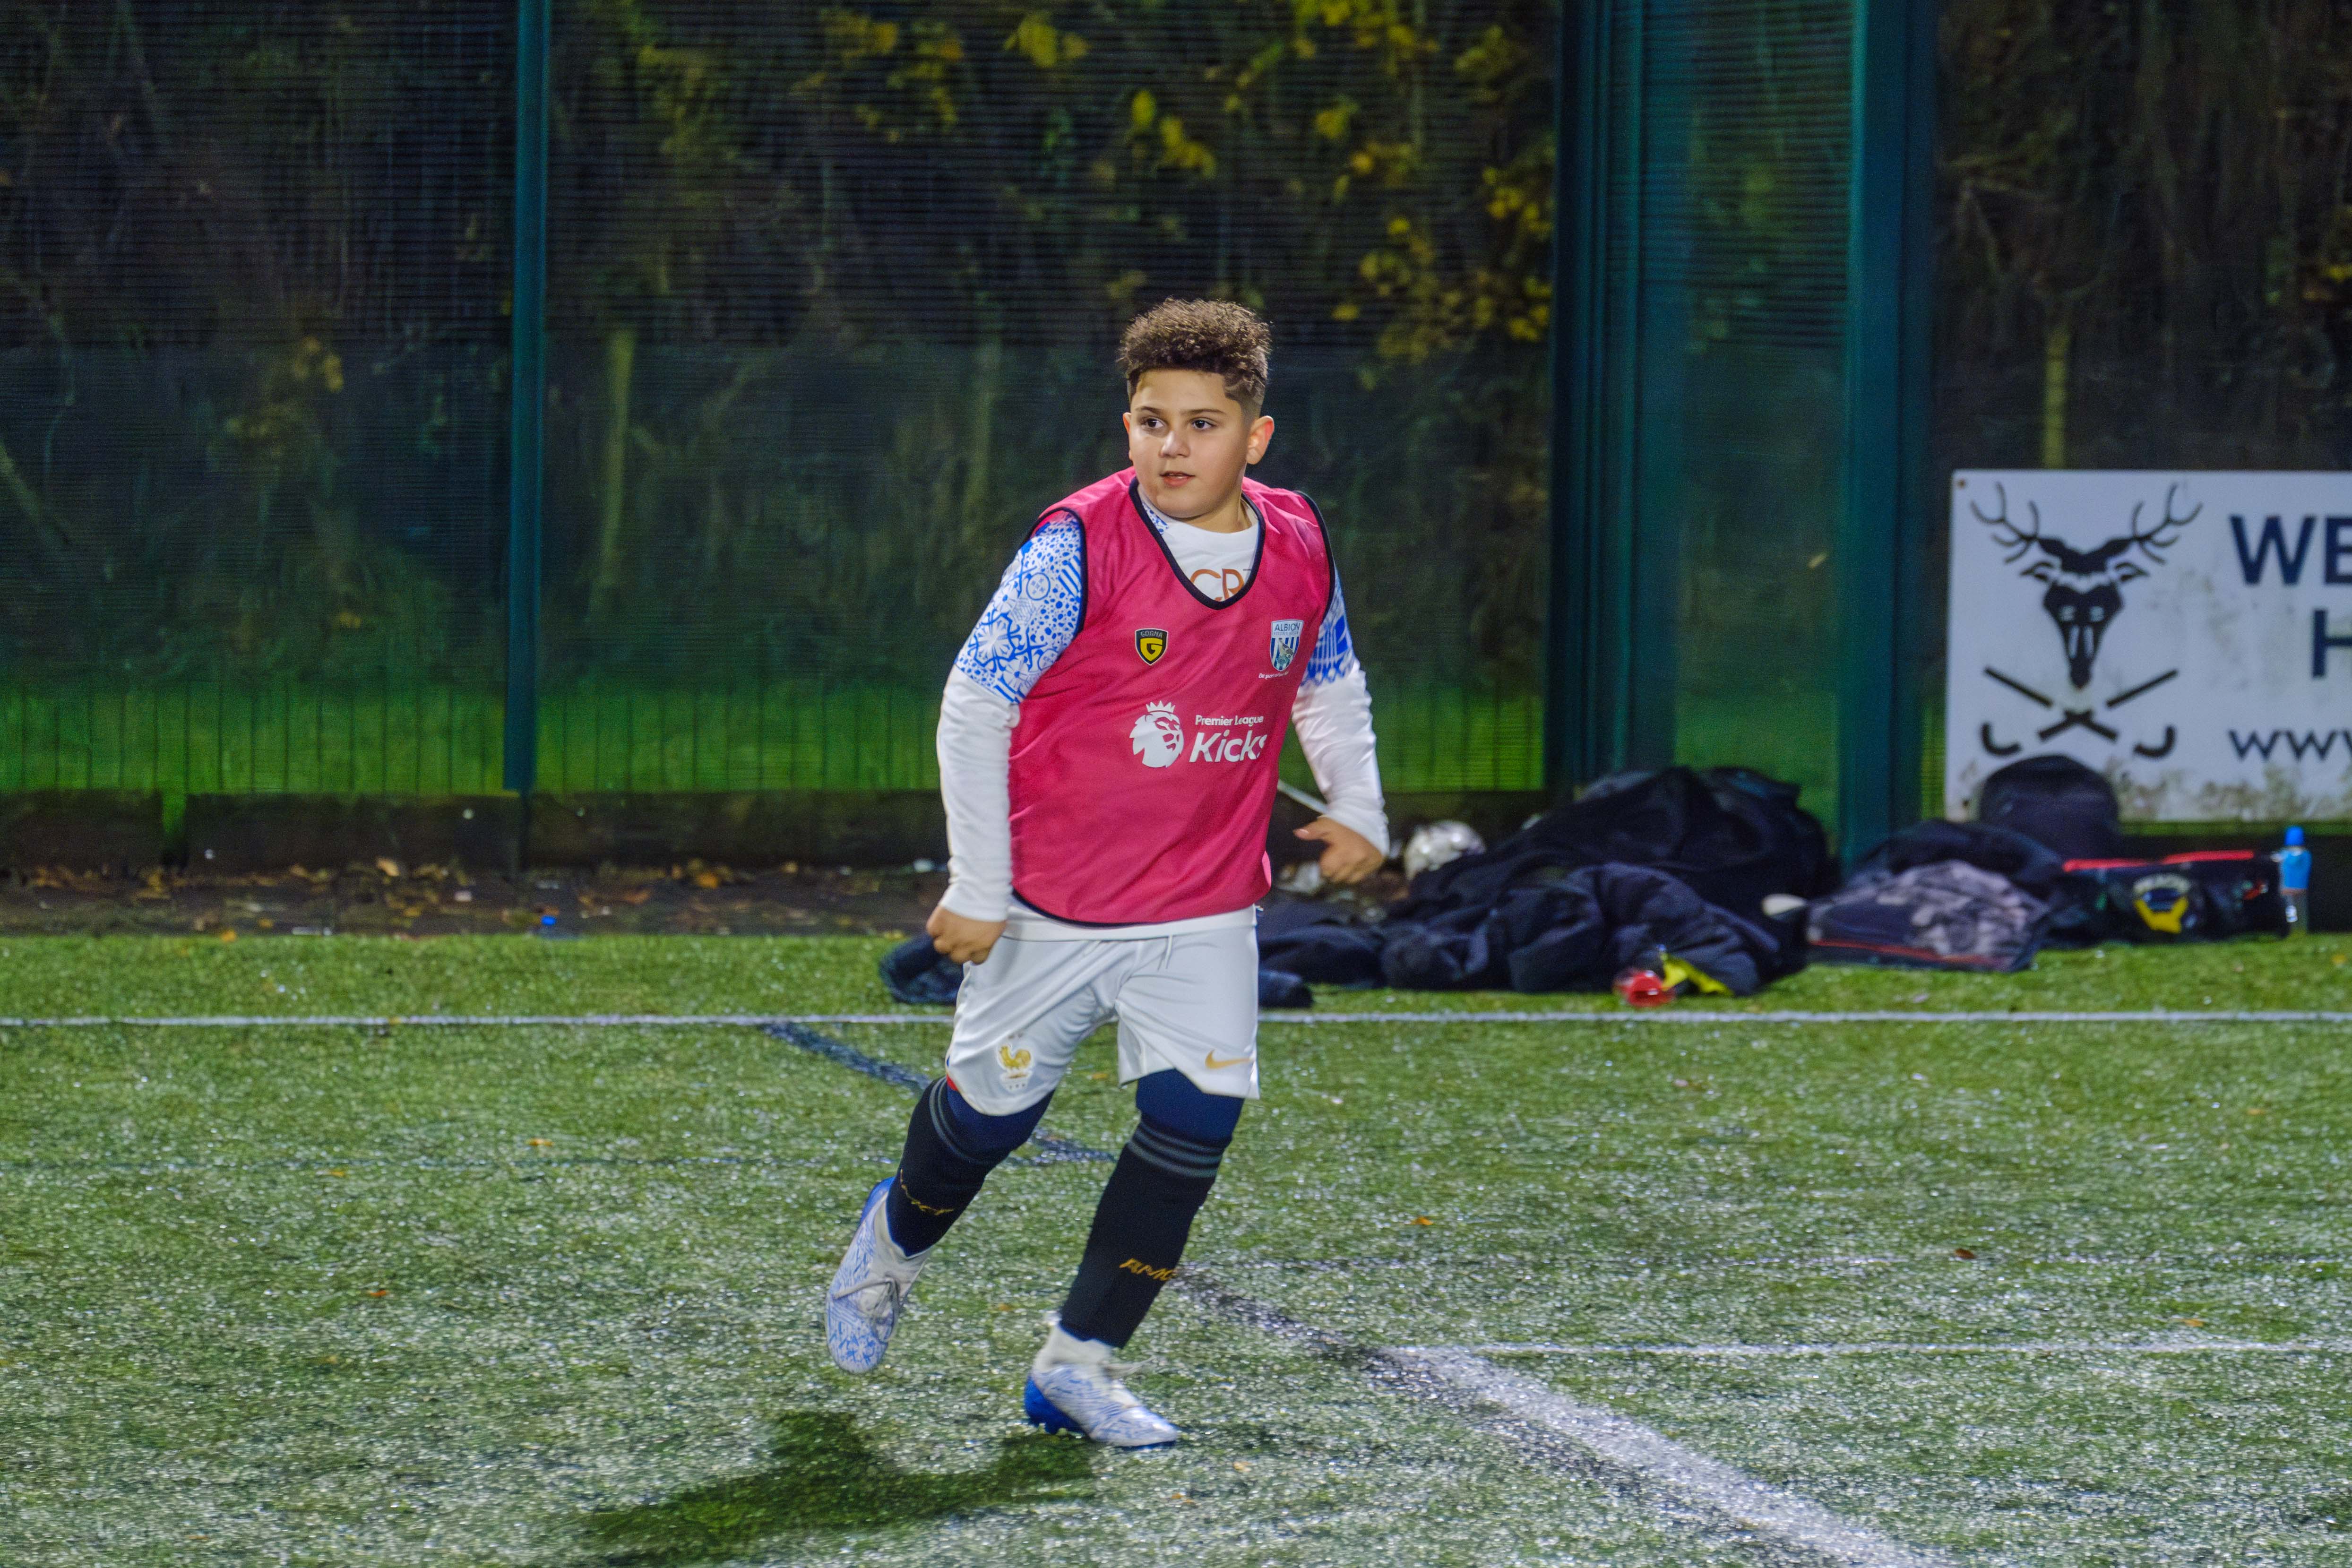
(1717, 362)
(831, 295)
(1744, 292)
(252, 404)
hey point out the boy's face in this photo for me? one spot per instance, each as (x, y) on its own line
(1190, 441)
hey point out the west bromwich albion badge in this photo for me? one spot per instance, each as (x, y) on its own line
(1286, 643)
(1151, 642)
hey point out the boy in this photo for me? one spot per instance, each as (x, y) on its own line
(1108, 750)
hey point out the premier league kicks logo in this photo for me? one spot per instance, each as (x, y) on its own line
(1159, 736)
(1286, 643)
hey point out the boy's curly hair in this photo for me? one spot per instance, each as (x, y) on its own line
(1215, 336)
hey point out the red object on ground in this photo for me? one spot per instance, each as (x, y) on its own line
(1645, 988)
(2192, 857)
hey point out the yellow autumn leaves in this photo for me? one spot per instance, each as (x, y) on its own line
(1371, 72)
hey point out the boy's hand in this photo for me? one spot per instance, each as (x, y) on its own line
(961, 938)
(1348, 854)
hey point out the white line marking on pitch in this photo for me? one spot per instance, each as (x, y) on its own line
(757, 1020)
(1871, 1348)
(439, 1020)
(1719, 1018)
(1460, 1380)
(1629, 1446)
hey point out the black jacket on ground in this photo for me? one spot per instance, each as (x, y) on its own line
(1574, 932)
(1731, 835)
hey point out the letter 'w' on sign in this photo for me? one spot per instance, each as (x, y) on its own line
(2272, 543)
(1151, 642)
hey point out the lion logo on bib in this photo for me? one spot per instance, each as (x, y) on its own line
(1158, 737)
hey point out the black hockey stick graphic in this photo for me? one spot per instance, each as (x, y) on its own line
(2144, 687)
(2018, 686)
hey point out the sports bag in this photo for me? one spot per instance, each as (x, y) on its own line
(2206, 896)
(2058, 803)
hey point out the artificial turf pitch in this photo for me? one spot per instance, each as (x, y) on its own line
(2006, 1292)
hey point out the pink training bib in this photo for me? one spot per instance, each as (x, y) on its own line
(1144, 761)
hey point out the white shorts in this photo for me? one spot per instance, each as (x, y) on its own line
(1187, 1001)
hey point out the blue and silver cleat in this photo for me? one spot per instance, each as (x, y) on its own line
(1074, 1387)
(869, 1289)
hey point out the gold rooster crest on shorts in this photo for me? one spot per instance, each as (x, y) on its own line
(1015, 1062)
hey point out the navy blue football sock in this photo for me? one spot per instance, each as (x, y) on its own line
(1179, 1104)
(950, 1148)
(1163, 1178)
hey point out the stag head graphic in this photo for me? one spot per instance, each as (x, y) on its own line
(2086, 590)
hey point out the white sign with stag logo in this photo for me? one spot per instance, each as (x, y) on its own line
(2190, 635)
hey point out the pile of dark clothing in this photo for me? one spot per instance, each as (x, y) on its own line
(1667, 870)
(1687, 874)
(1942, 895)
(1653, 870)
(2044, 862)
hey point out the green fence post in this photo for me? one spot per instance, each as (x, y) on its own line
(1917, 615)
(1890, 279)
(1574, 664)
(525, 489)
(1651, 296)
(1593, 720)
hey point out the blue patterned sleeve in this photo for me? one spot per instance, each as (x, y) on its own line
(1335, 651)
(1035, 613)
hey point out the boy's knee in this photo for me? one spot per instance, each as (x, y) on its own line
(986, 1136)
(1175, 1104)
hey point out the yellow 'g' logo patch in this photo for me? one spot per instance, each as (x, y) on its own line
(1149, 644)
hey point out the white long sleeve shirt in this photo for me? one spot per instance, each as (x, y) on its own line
(1027, 624)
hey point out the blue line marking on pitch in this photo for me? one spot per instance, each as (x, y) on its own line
(842, 1054)
(1052, 1149)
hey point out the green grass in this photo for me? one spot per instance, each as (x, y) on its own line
(549, 1296)
(394, 736)
(289, 976)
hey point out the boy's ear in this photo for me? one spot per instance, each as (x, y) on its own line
(1261, 436)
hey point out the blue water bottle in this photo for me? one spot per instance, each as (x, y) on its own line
(2294, 882)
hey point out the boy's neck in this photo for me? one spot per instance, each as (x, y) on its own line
(1234, 516)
